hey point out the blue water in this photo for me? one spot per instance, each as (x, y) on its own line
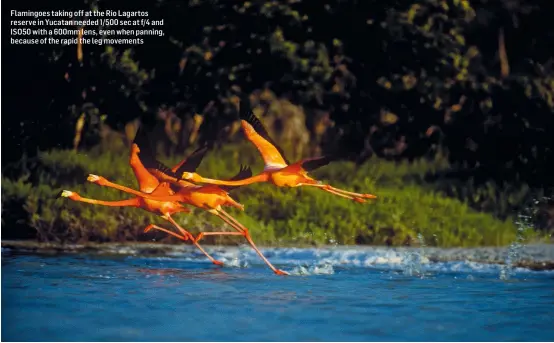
(332, 296)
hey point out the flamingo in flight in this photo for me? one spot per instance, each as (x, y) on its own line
(209, 197)
(150, 185)
(277, 170)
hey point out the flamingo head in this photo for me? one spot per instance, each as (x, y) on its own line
(65, 193)
(135, 150)
(68, 194)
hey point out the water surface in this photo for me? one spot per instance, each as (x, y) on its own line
(334, 295)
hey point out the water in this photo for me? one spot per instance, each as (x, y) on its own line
(414, 259)
(342, 294)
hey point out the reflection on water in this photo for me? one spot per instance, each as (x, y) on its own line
(213, 274)
(183, 298)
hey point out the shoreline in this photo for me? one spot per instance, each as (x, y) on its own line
(537, 257)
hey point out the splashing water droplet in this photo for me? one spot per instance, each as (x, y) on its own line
(515, 249)
(325, 268)
(413, 262)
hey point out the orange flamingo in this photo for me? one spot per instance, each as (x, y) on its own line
(151, 185)
(209, 197)
(277, 170)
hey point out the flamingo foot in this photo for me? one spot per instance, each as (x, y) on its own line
(217, 263)
(360, 200)
(280, 272)
(369, 196)
(148, 228)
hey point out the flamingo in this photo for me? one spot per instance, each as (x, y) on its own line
(277, 170)
(151, 185)
(209, 197)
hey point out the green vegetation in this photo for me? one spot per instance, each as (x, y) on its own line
(406, 205)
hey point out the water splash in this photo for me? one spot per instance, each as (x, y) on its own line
(413, 262)
(325, 268)
(516, 248)
(239, 259)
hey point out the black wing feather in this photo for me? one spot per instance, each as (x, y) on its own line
(146, 155)
(193, 161)
(247, 115)
(191, 164)
(244, 173)
(165, 169)
(318, 162)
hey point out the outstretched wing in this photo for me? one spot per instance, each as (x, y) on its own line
(256, 133)
(147, 182)
(310, 164)
(244, 173)
(191, 163)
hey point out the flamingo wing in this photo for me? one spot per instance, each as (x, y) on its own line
(164, 188)
(310, 164)
(191, 163)
(257, 134)
(244, 173)
(164, 174)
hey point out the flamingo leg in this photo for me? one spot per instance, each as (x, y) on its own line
(358, 197)
(332, 191)
(341, 194)
(156, 227)
(223, 233)
(199, 237)
(187, 235)
(191, 237)
(244, 231)
(226, 220)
